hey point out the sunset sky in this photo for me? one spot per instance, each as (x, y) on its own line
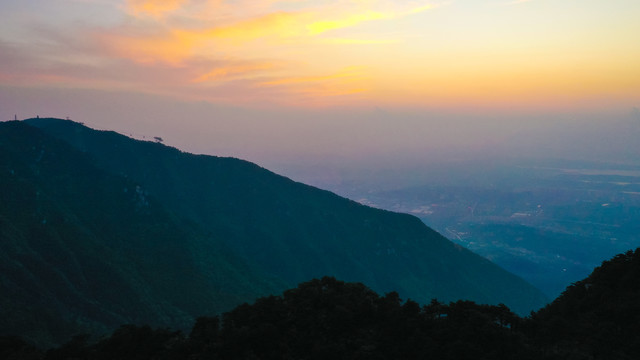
(297, 58)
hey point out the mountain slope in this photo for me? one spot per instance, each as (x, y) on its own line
(295, 232)
(83, 250)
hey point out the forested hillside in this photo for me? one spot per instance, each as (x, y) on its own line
(596, 318)
(294, 232)
(100, 230)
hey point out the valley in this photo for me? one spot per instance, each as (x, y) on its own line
(550, 222)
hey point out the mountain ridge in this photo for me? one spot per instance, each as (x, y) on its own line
(276, 232)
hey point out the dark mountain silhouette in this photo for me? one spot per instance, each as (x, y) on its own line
(596, 318)
(320, 319)
(99, 229)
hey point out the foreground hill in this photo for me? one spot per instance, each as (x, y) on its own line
(100, 229)
(599, 315)
(331, 319)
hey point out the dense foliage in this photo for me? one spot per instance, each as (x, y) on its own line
(596, 318)
(323, 319)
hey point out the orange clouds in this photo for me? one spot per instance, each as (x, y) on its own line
(264, 36)
(302, 23)
(232, 71)
(155, 8)
(348, 20)
(170, 47)
(172, 44)
(387, 51)
(319, 27)
(279, 25)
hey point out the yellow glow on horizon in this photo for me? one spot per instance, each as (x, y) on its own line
(342, 41)
(346, 73)
(533, 85)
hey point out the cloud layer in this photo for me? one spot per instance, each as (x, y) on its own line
(328, 52)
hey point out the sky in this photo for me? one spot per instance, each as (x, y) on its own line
(296, 79)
